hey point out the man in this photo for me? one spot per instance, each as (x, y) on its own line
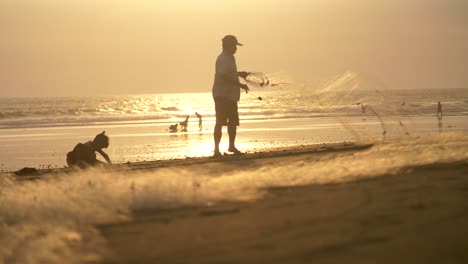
(200, 127)
(226, 94)
(439, 110)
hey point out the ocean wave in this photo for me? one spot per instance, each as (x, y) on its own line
(80, 121)
(77, 119)
(32, 112)
(170, 108)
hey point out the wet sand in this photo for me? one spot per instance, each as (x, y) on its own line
(416, 215)
(46, 147)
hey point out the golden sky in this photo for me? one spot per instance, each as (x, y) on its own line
(85, 47)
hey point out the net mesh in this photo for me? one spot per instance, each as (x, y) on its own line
(356, 101)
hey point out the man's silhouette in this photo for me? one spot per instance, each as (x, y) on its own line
(439, 110)
(226, 93)
(184, 124)
(200, 127)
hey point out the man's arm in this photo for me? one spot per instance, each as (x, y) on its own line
(243, 74)
(106, 157)
(235, 81)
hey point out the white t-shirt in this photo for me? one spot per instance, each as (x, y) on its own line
(226, 65)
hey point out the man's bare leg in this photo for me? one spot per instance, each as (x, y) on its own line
(232, 131)
(217, 138)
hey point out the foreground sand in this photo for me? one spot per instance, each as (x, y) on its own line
(419, 215)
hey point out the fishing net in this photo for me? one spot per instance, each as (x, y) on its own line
(362, 105)
(257, 80)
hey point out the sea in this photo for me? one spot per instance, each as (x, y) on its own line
(55, 219)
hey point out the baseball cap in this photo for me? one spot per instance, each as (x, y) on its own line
(231, 39)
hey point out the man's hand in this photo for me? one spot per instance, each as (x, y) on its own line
(243, 74)
(245, 87)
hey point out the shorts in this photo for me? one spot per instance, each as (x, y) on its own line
(226, 111)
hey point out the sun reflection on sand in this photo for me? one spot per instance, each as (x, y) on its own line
(201, 144)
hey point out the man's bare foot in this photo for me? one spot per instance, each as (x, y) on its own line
(217, 154)
(234, 150)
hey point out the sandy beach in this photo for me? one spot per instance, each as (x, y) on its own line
(327, 203)
(416, 216)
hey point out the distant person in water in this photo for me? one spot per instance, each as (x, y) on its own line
(200, 127)
(226, 94)
(84, 154)
(184, 124)
(439, 110)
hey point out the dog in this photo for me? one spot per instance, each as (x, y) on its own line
(173, 128)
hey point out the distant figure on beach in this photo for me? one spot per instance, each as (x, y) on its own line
(439, 110)
(184, 124)
(226, 94)
(84, 154)
(173, 128)
(363, 108)
(200, 127)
